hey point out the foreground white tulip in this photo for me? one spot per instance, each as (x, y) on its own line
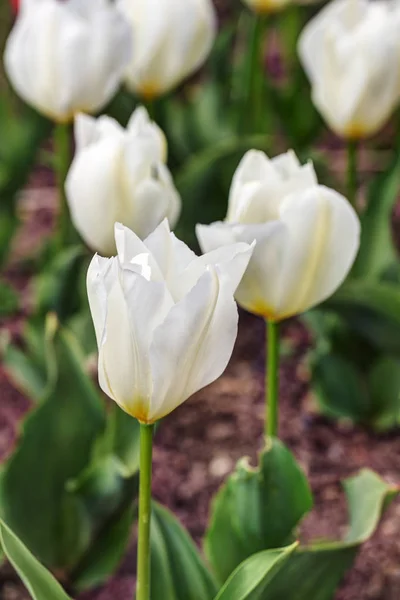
(351, 54)
(171, 40)
(165, 319)
(67, 56)
(119, 175)
(267, 6)
(307, 235)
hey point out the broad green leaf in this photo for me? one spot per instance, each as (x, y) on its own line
(57, 285)
(377, 250)
(56, 445)
(340, 387)
(316, 571)
(384, 388)
(27, 367)
(251, 579)
(178, 572)
(38, 581)
(256, 509)
(372, 309)
(106, 491)
(105, 554)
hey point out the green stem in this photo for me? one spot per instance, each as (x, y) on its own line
(352, 172)
(272, 380)
(143, 557)
(254, 76)
(62, 164)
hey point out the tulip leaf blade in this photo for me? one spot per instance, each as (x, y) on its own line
(241, 522)
(40, 583)
(178, 571)
(56, 444)
(377, 250)
(372, 309)
(251, 579)
(315, 571)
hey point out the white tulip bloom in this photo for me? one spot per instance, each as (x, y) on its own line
(171, 40)
(307, 235)
(64, 57)
(165, 319)
(119, 175)
(267, 6)
(351, 54)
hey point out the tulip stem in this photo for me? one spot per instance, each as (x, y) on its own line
(62, 164)
(143, 556)
(254, 77)
(272, 379)
(352, 172)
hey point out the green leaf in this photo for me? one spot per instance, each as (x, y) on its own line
(56, 446)
(384, 387)
(27, 367)
(105, 492)
(340, 387)
(9, 302)
(178, 572)
(241, 521)
(372, 309)
(253, 577)
(58, 284)
(316, 571)
(38, 581)
(377, 250)
(106, 553)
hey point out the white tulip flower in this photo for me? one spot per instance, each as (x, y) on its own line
(119, 175)
(267, 7)
(171, 40)
(307, 235)
(165, 319)
(64, 57)
(351, 54)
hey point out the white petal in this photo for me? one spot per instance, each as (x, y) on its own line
(93, 193)
(231, 262)
(215, 235)
(194, 344)
(99, 280)
(322, 244)
(129, 246)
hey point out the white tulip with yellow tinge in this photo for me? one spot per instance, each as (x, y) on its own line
(171, 40)
(165, 319)
(351, 54)
(119, 175)
(307, 235)
(67, 57)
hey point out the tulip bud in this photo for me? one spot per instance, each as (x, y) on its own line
(351, 54)
(266, 7)
(119, 175)
(171, 40)
(67, 57)
(307, 235)
(165, 319)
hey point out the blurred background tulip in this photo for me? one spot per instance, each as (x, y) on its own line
(156, 306)
(119, 175)
(307, 236)
(171, 40)
(267, 6)
(351, 54)
(67, 57)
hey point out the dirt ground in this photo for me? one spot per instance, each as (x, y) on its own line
(199, 444)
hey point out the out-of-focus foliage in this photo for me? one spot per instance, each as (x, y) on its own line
(77, 463)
